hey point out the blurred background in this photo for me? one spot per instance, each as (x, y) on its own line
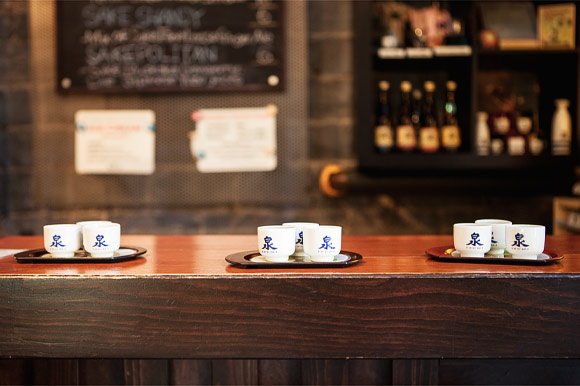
(333, 166)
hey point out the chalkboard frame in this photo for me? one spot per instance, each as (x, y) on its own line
(76, 88)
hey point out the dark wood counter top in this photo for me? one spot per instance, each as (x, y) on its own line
(204, 256)
(183, 300)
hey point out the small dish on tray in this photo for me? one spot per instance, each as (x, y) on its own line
(252, 259)
(449, 254)
(42, 256)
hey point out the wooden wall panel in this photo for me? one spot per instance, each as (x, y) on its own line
(279, 372)
(509, 372)
(55, 371)
(234, 372)
(190, 372)
(146, 372)
(415, 372)
(101, 372)
(324, 372)
(369, 372)
(289, 372)
(15, 372)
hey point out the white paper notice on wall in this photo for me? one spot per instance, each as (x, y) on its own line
(115, 142)
(234, 140)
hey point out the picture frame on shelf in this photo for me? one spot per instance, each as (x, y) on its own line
(557, 25)
(514, 23)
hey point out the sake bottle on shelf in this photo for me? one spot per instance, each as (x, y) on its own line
(482, 135)
(383, 130)
(429, 132)
(417, 112)
(450, 133)
(405, 134)
(561, 128)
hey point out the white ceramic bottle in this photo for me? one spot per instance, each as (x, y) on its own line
(482, 136)
(561, 128)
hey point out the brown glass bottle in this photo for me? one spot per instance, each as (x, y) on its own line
(429, 132)
(406, 138)
(384, 140)
(450, 132)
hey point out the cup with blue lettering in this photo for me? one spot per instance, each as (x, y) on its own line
(91, 223)
(102, 240)
(276, 242)
(299, 228)
(62, 240)
(525, 241)
(322, 243)
(471, 239)
(497, 235)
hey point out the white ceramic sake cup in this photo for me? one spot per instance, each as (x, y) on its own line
(322, 243)
(91, 223)
(299, 227)
(102, 240)
(525, 241)
(62, 240)
(497, 235)
(471, 239)
(276, 242)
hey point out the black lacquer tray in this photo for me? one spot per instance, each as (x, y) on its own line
(42, 256)
(252, 259)
(448, 254)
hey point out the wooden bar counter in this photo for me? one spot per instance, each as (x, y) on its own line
(183, 300)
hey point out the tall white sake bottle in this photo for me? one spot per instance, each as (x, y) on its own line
(561, 128)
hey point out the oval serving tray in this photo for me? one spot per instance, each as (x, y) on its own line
(252, 259)
(447, 254)
(124, 253)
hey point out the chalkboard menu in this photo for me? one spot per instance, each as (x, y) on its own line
(157, 45)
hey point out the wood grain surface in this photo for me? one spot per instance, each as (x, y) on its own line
(182, 300)
(194, 256)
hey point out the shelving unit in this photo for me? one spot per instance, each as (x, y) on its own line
(557, 73)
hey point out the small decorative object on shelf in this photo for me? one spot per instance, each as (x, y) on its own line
(511, 98)
(404, 30)
(488, 39)
(513, 22)
(561, 128)
(383, 135)
(557, 25)
(482, 136)
(500, 127)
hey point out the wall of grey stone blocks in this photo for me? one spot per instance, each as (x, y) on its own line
(329, 140)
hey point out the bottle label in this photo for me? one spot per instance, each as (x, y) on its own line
(384, 137)
(561, 147)
(429, 139)
(450, 137)
(406, 139)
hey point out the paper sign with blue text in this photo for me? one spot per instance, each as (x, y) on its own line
(115, 142)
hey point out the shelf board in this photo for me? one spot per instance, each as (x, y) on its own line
(466, 161)
(453, 52)
(528, 52)
(463, 172)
